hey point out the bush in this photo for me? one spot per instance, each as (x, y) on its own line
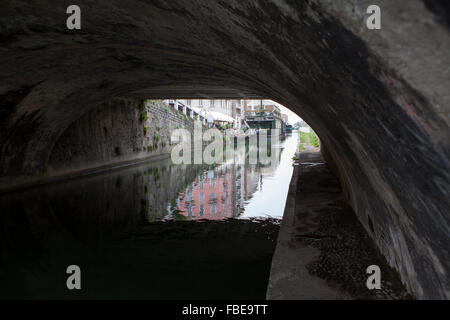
(314, 140)
(144, 116)
(308, 138)
(304, 137)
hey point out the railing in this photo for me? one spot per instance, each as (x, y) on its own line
(261, 116)
(186, 109)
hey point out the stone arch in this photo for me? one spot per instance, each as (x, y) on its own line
(379, 112)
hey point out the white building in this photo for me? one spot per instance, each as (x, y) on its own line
(255, 105)
(220, 109)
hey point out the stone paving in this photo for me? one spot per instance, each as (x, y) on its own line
(323, 251)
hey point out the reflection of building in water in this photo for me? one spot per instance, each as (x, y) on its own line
(220, 193)
(251, 176)
(210, 195)
(223, 191)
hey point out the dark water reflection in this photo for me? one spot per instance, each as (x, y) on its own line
(101, 223)
(240, 190)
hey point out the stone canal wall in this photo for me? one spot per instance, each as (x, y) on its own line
(115, 133)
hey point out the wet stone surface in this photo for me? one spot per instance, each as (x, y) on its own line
(327, 223)
(346, 252)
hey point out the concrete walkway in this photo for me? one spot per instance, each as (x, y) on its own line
(322, 250)
(289, 276)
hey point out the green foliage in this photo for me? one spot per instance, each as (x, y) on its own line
(177, 216)
(145, 130)
(313, 139)
(145, 203)
(144, 116)
(308, 138)
(304, 137)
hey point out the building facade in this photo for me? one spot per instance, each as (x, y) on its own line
(232, 109)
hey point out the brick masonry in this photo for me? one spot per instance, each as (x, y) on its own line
(117, 132)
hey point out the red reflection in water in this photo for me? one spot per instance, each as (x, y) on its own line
(209, 197)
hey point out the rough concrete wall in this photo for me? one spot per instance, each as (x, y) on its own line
(119, 131)
(110, 133)
(377, 99)
(162, 121)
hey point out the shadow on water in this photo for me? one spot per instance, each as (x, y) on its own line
(133, 232)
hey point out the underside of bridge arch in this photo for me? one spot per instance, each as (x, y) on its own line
(377, 98)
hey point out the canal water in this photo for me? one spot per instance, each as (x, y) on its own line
(151, 231)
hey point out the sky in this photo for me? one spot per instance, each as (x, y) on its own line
(292, 117)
